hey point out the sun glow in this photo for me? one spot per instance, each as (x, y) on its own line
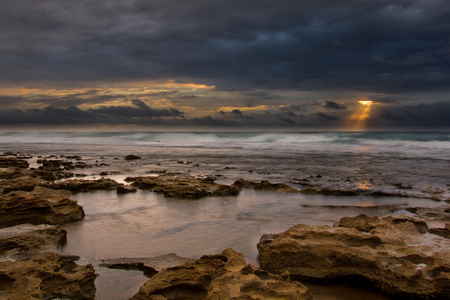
(366, 102)
(360, 117)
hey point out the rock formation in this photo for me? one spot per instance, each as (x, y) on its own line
(45, 275)
(149, 265)
(27, 237)
(8, 162)
(131, 157)
(84, 185)
(28, 271)
(39, 206)
(123, 189)
(396, 254)
(264, 185)
(220, 276)
(182, 186)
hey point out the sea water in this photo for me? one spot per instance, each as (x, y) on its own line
(146, 224)
(411, 144)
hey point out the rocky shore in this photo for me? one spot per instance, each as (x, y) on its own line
(399, 256)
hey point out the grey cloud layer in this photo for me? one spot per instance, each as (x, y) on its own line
(423, 115)
(370, 46)
(139, 113)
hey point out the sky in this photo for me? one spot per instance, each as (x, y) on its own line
(286, 64)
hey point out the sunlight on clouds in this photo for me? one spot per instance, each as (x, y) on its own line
(251, 108)
(360, 117)
(126, 88)
(110, 93)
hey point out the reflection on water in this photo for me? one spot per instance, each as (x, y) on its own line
(364, 185)
(146, 224)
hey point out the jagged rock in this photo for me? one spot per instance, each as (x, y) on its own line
(8, 162)
(149, 265)
(131, 157)
(9, 173)
(40, 206)
(367, 223)
(174, 186)
(27, 237)
(220, 276)
(25, 183)
(31, 275)
(264, 185)
(390, 252)
(55, 165)
(84, 185)
(14, 173)
(440, 214)
(122, 189)
(444, 232)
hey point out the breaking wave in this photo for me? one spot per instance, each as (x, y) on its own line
(430, 144)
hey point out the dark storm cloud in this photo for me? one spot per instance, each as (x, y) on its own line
(333, 105)
(372, 46)
(211, 121)
(420, 115)
(139, 113)
(325, 116)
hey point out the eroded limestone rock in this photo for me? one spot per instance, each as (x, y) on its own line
(393, 253)
(149, 265)
(221, 276)
(84, 185)
(45, 275)
(40, 206)
(182, 186)
(264, 185)
(12, 162)
(27, 237)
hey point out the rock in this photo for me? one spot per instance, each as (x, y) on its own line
(27, 183)
(440, 214)
(444, 232)
(14, 173)
(131, 157)
(84, 185)
(264, 185)
(55, 165)
(7, 162)
(220, 276)
(24, 183)
(390, 252)
(45, 276)
(149, 265)
(367, 223)
(187, 187)
(40, 206)
(122, 189)
(27, 237)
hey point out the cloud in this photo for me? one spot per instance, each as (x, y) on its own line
(375, 46)
(419, 115)
(325, 116)
(210, 121)
(333, 105)
(139, 113)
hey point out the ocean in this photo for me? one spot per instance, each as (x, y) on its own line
(430, 144)
(413, 165)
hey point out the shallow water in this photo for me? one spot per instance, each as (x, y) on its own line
(146, 224)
